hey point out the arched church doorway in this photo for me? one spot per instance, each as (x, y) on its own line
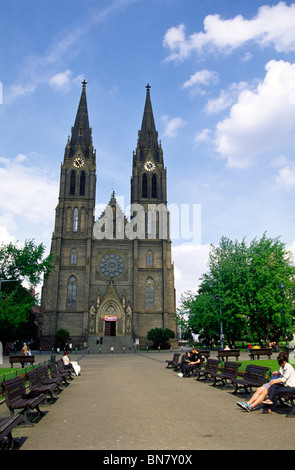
(110, 327)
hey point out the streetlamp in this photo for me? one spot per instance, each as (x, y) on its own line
(282, 287)
(221, 326)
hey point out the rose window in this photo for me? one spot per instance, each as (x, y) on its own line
(111, 265)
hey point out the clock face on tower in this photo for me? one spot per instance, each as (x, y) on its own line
(78, 162)
(149, 166)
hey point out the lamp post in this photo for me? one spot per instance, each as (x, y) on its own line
(282, 287)
(221, 326)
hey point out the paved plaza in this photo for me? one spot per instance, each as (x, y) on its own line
(132, 402)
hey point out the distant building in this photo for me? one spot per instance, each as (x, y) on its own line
(113, 276)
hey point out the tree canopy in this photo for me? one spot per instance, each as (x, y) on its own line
(21, 270)
(241, 291)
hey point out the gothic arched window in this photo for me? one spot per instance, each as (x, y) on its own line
(149, 258)
(72, 292)
(154, 186)
(75, 220)
(74, 256)
(73, 183)
(149, 293)
(82, 183)
(144, 186)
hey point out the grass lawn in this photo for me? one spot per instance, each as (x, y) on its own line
(271, 363)
(11, 372)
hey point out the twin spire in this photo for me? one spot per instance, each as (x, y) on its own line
(81, 131)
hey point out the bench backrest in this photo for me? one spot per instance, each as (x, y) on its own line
(228, 352)
(230, 368)
(176, 357)
(33, 377)
(14, 389)
(21, 359)
(256, 373)
(212, 365)
(43, 372)
(60, 366)
(261, 351)
(204, 352)
(54, 372)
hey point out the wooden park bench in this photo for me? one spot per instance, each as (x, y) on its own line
(288, 397)
(63, 370)
(226, 353)
(260, 352)
(229, 371)
(37, 385)
(211, 366)
(194, 368)
(17, 398)
(6, 427)
(55, 374)
(254, 376)
(21, 359)
(46, 379)
(205, 353)
(174, 361)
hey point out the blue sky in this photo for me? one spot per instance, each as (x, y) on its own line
(222, 76)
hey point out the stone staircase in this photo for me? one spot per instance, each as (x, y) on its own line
(116, 342)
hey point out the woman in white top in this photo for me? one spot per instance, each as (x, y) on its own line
(285, 383)
(71, 364)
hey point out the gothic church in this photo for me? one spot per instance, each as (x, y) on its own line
(112, 276)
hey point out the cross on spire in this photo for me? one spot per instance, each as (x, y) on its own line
(84, 83)
(148, 87)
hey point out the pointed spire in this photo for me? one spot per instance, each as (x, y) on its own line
(148, 133)
(81, 132)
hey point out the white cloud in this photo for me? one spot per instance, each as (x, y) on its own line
(225, 99)
(172, 125)
(60, 80)
(16, 91)
(202, 136)
(27, 196)
(63, 80)
(246, 57)
(279, 161)
(272, 26)
(261, 119)
(286, 177)
(202, 78)
(190, 263)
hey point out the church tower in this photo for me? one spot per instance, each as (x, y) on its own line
(65, 294)
(113, 276)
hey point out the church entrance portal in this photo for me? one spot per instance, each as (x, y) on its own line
(110, 328)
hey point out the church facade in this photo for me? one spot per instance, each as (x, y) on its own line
(112, 276)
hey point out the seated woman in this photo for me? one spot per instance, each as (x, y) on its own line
(259, 395)
(71, 364)
(284, 383)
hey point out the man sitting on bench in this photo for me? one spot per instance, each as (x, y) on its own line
(191, 360)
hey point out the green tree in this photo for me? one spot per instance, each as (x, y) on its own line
(61, 337)
(160, 336)
(245, 279)
(270, 316)
(18, 266)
